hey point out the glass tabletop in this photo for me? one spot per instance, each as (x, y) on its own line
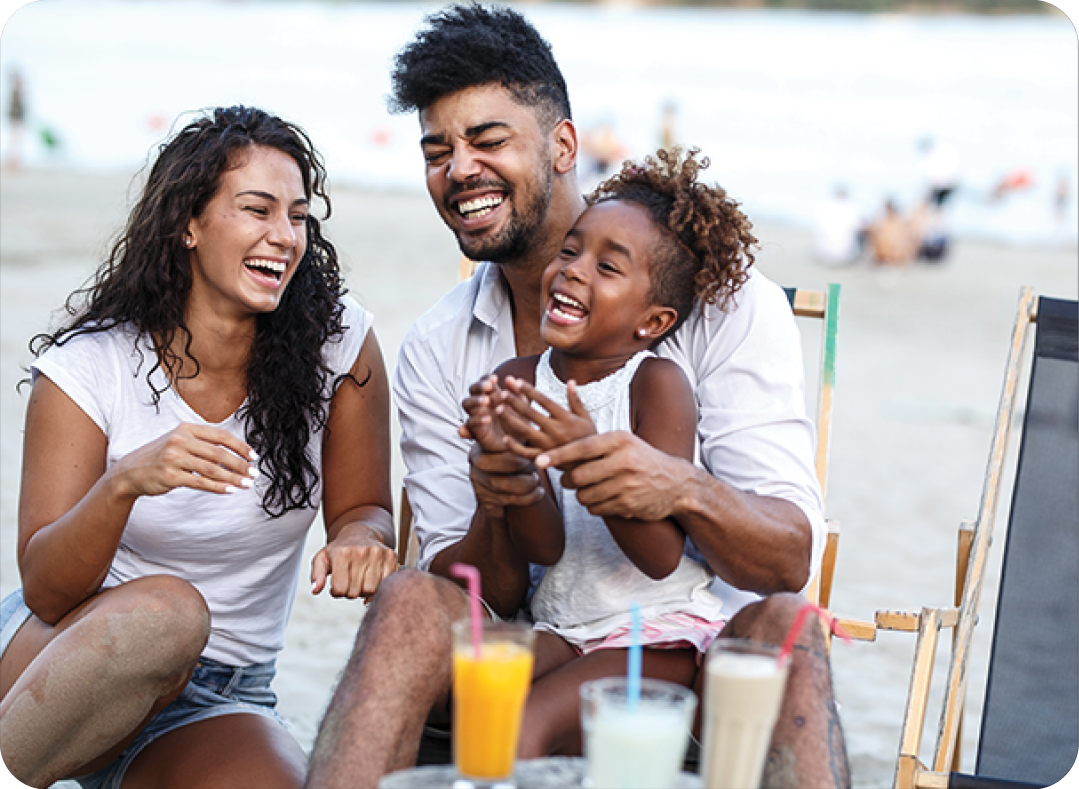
(555, 772)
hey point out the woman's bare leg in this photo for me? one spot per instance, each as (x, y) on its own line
(75, 694)
(226, 752)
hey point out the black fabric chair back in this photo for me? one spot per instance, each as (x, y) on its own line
(1030, 724)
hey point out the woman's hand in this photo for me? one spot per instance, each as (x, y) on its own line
(356, 562)
(199, 457)
(530, 432)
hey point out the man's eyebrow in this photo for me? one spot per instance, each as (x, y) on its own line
(471, 131)
(478, 129)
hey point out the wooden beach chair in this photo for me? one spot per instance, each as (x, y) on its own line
(1030, 723)
(816, 304)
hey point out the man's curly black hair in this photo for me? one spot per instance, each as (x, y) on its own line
(706, 248)
(469, 45)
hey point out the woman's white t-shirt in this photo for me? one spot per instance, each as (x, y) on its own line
(245, 563)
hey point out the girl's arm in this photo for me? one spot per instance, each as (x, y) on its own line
(664, 414)
(357, 502)
(536, 529)
(72, 512)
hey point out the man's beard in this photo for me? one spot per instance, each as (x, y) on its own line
(514, 241)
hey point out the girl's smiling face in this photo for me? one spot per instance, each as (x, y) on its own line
(596, 292)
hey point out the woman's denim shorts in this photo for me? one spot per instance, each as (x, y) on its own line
(214, 690)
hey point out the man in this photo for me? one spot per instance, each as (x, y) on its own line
(500, 150)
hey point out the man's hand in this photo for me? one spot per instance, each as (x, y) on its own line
(502, 479)
(620, 474)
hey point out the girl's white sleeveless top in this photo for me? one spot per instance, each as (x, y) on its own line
(587, 594)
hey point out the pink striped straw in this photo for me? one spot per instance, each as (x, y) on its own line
(796, 628)
(475, 613)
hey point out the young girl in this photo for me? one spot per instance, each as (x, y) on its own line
(653, 240)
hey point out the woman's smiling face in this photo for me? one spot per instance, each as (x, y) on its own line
(247, 242)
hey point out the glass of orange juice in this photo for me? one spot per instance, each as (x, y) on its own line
(489, 692)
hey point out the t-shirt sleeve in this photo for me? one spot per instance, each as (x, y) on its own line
(87, 369)
(341, 353)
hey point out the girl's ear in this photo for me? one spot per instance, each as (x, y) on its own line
(656, 323)
(564, 139)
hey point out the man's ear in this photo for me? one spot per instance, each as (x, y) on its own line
(656, 323)
(564, 141)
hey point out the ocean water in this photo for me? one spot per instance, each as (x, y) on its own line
(786, 104)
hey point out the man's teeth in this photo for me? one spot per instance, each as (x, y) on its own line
(273, 266)
(481, 206)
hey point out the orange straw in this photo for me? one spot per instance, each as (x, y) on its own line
(475, 614)
(796, 628)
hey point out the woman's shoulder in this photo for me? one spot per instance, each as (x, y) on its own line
(341, 351)
(92, 346)
(355, 317)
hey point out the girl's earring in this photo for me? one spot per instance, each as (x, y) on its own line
(641, 333)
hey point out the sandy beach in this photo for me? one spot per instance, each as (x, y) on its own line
(920, 365)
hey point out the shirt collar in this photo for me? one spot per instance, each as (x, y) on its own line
(492, 305)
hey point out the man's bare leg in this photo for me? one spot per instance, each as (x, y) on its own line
(807, 748)
(400, 668)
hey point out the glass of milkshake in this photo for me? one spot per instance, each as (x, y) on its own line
(744, 683)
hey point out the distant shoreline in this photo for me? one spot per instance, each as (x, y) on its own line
(353, 186)
(923, 7)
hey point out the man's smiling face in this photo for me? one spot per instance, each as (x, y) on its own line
(489, 170)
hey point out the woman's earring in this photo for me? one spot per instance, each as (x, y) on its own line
(189, 242)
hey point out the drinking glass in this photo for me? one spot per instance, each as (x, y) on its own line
(489, 692)
(635, 745)
(743, 690)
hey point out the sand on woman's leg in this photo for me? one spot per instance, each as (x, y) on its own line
(98, 680)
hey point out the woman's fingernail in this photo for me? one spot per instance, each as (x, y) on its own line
(246, 482)
(253, 471)
(231, 489)
(253, 455)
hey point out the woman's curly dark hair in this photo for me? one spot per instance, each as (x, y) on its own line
(144, 283)
(708, 249)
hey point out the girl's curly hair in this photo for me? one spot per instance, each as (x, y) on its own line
(707, 247)
(144, 283)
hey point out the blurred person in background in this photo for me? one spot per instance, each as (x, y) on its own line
(16, 117)
(838, 230)
(893, 240)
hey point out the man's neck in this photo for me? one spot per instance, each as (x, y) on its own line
(524, 277)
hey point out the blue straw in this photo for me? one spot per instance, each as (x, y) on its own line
(633, 661)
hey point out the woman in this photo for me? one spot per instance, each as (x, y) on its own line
(213, 387)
